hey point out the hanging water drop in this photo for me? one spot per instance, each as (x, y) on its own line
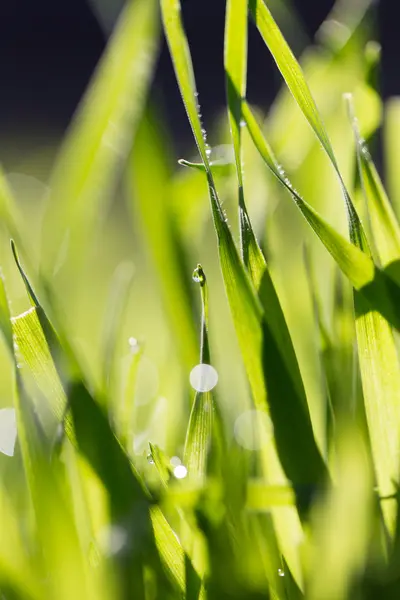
(198, 275)
(150, 459)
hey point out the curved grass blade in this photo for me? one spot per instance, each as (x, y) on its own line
(235, 59)
(377, 286)
(199, 432)
(294, 78)
(385, 227)
(260, 351)
(101, 133)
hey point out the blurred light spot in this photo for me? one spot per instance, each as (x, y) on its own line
(133, 345)
(203, 378)
(175, 461)
(281, 573)
(113, 539)
(253, 429)
(8, 431)
(180, 472)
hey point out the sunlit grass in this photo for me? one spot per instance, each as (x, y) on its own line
(227, 432)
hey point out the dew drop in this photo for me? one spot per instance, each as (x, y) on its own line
(203, 378)
(208, 150)
(281, 573)
(198, 275)
(150, 459)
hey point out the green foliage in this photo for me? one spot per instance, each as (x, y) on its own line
(279, 476)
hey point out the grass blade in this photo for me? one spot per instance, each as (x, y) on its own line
(199, 432)
(294, 78)
(385, 227)
(377, 286)
(100, 136)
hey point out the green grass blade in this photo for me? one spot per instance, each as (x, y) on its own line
(101, 134)
(381, 292)
(385, 227)
(294, 78)
(235, 58)
(199, 432)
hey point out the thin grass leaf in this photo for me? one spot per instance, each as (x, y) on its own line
(294, 78)
(385, 227)
(235, 60)
(101, 133)
(199, 432)
(378, 287)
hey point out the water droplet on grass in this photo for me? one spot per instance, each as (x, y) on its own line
(150, 459)
(203, 378)
(281, 573)
(198, 275)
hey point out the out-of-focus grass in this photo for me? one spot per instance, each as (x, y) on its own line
(281, 480)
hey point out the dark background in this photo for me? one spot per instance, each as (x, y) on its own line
(49, 48)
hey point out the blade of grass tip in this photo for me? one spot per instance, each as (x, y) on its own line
(118, 299)
(101, 133)
(294, 79)
(385, 227)
(199, 432)
(235, 59)
(377, 287)
(41, 350)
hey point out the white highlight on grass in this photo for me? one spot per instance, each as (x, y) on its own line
(8, 431)
(203, 378)
(180, 472)
(281, 573)
(253, 429)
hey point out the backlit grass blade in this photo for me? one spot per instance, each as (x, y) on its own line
(235, 58)
(385, 227)
(101, 134)
(199, 432)
(150, 197)
(380, 291)
(294, 78)
(260, 352)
